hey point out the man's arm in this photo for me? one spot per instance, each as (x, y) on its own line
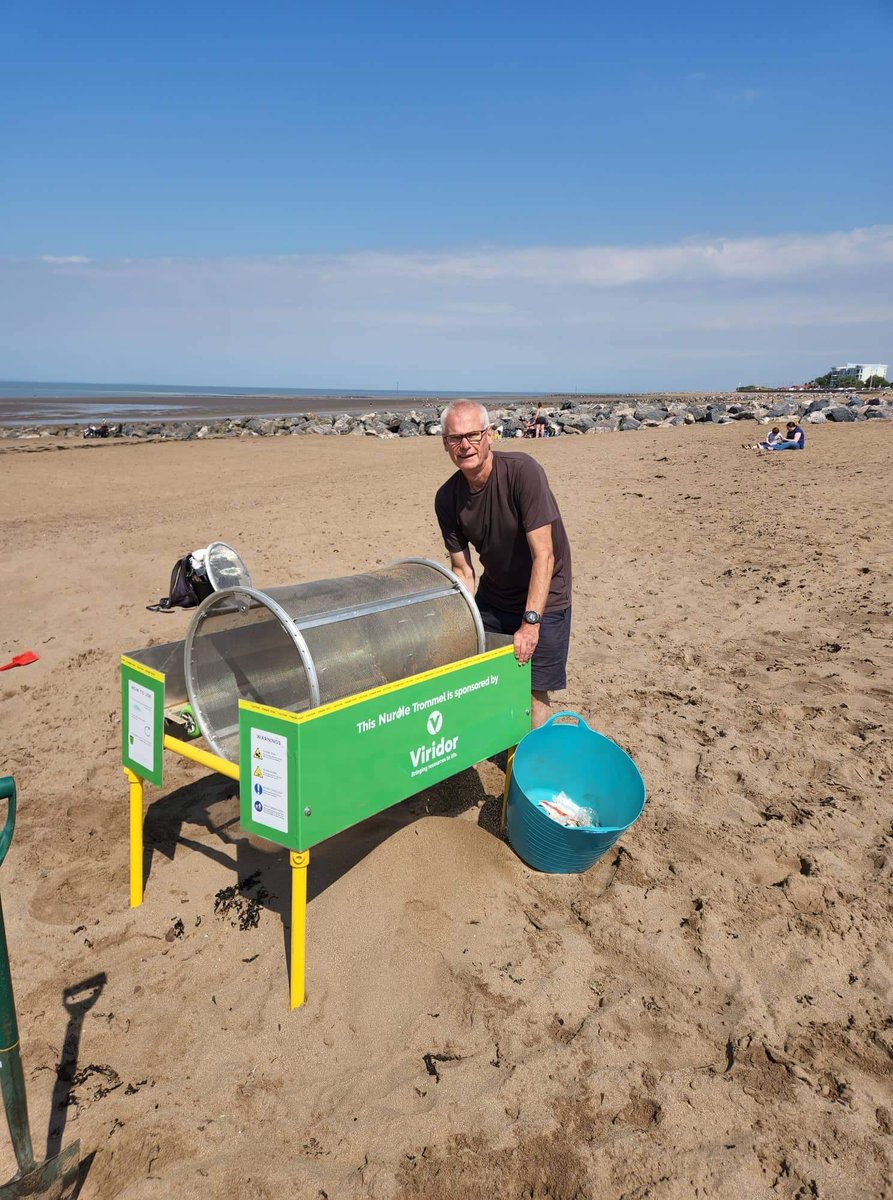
(460, 561)
(540, 543)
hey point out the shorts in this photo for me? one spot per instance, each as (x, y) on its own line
(549, 662)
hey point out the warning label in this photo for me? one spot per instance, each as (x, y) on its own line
(269, 799)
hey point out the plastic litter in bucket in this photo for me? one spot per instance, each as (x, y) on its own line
(565, 755)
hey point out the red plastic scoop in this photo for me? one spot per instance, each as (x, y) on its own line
(20, 660)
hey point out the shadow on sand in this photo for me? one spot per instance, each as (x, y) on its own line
(262, 870)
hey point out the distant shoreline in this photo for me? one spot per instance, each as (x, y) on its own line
(153, 405)
(211, 406)
(37, 403)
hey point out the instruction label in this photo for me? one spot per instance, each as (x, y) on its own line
(141, 714)
(142, 720)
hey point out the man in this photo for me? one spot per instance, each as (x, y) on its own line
(502, 505)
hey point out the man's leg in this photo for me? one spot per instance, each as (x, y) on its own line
(541, 709)
(549, 664)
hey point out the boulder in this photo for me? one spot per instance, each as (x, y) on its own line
(883, 414)
(408, 429)
(700, 412)
(820, 402)
(650, 412)
(424, 416)
(576, 422)
(181, 432)
(628, 423)
(840, 412)
(784, 408)
(607, 424)
(816, 418)
(261, 425)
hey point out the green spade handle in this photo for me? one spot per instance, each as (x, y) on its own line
(8, 792)
(12, 1080)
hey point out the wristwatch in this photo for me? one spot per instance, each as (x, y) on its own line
(532, 617)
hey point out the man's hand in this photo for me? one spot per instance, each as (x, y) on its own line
(526, 640)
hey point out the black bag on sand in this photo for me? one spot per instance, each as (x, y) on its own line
(187, 587)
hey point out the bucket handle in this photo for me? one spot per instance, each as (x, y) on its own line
(7, 792)
(567, 713)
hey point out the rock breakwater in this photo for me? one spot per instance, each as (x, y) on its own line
(567, 416)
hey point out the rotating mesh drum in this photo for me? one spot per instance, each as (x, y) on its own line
(306, 644)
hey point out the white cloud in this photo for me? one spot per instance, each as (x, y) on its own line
(663, 315)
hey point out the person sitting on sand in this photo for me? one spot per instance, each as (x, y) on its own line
(773, 438)
(794, 438)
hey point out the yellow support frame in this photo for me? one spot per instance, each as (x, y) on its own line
(299, 861)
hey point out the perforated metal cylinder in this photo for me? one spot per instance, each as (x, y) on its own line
(306, 644)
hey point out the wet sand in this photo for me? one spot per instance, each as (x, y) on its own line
(62, 410)
(708, 1011)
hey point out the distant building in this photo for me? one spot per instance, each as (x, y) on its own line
(859, 372)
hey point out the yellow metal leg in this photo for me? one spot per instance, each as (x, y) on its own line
(136, 838)
(300, 860)
(510, 758)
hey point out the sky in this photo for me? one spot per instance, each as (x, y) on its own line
(483, 196)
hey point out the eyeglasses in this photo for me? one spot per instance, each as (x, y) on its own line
(473, 437)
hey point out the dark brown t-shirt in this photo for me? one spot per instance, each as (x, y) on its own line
(496, 520)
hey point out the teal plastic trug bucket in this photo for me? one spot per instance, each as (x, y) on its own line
(565, 755)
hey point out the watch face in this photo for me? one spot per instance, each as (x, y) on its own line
(532, 618)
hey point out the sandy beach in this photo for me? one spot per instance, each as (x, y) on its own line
(707, 1012)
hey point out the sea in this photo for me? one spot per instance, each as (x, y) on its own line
(29, 402)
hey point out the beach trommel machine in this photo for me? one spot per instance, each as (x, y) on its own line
(328, 701)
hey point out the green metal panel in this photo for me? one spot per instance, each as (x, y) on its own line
(142, 720)
(334, 766)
